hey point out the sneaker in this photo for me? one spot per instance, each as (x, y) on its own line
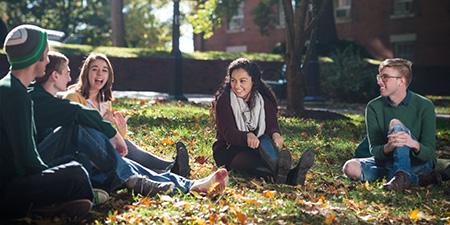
(399, 182)
(100, 196)
(145, 186)
(74, 209)
(304, 164)
(284, 163)
(181, 165)
(213, 184)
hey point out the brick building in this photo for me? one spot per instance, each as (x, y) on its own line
(415, 29)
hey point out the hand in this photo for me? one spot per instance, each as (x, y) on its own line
(108, 115)
(119, 144)
(400, 139)
(121, 123)
(278, 140)
(252, 140)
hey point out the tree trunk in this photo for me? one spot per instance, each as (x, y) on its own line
(295, 40)
(117, 23)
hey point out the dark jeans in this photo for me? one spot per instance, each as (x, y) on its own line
(147, 159)
(107, 169)
(58, 184)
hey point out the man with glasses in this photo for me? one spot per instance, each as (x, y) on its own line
(401, 129)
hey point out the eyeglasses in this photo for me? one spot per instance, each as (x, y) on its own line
(385, 77)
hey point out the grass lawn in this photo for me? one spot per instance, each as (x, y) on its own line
(327, 197)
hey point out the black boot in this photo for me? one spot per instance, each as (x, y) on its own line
(279, 162)
(298, 174)
(181, 164)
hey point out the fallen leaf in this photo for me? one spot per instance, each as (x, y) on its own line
(416, 214)
(330, 218)
(166, 141)
(368, 186)
(269, 194)
(201, 159)
(239, 214)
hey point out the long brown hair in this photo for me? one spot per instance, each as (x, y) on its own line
(255, 73)
(83, 86)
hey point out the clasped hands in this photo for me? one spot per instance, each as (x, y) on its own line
(400, 139)
(253, 140)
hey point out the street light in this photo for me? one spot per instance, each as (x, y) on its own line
(176, 91)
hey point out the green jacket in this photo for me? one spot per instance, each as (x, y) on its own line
(18, 154)
(51, 112)
(415, 112)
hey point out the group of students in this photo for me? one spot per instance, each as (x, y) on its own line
(54, 151)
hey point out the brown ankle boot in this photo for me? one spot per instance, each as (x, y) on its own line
(399, 182)
(430, 179)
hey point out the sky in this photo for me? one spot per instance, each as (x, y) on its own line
(186, 41)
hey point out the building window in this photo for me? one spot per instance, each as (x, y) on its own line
(236, 48)
(236, 23)
(342, 10)
(402, 8)
(403, 45)
(281, 21)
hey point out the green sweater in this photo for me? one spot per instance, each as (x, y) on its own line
(51, 112)
(18, 154)
(415, 112)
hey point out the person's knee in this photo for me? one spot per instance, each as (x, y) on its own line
(395, 122)
(352, 169)
(76, 173)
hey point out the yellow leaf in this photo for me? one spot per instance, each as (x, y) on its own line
(200, 221)
(249, 200)
(166, 141)
(329, 219)
(368, 186)
(419, 215)
(269, 194)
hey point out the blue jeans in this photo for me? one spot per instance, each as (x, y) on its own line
(401, 161)
(147, 159)
(107, 169)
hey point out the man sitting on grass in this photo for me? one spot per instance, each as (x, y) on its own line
(27, 185)
(401, 130)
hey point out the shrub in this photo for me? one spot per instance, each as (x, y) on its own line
(349, 77)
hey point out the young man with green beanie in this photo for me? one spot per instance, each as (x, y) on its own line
(27, 185)
(401, 131)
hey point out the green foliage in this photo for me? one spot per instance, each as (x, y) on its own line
(209, 14)
(264, 15)
(349, 77)
(90, 19)
(143, 29)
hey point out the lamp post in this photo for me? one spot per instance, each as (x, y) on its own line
(176, 91)
(312, 69)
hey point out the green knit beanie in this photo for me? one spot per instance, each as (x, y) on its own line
(24, 45)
